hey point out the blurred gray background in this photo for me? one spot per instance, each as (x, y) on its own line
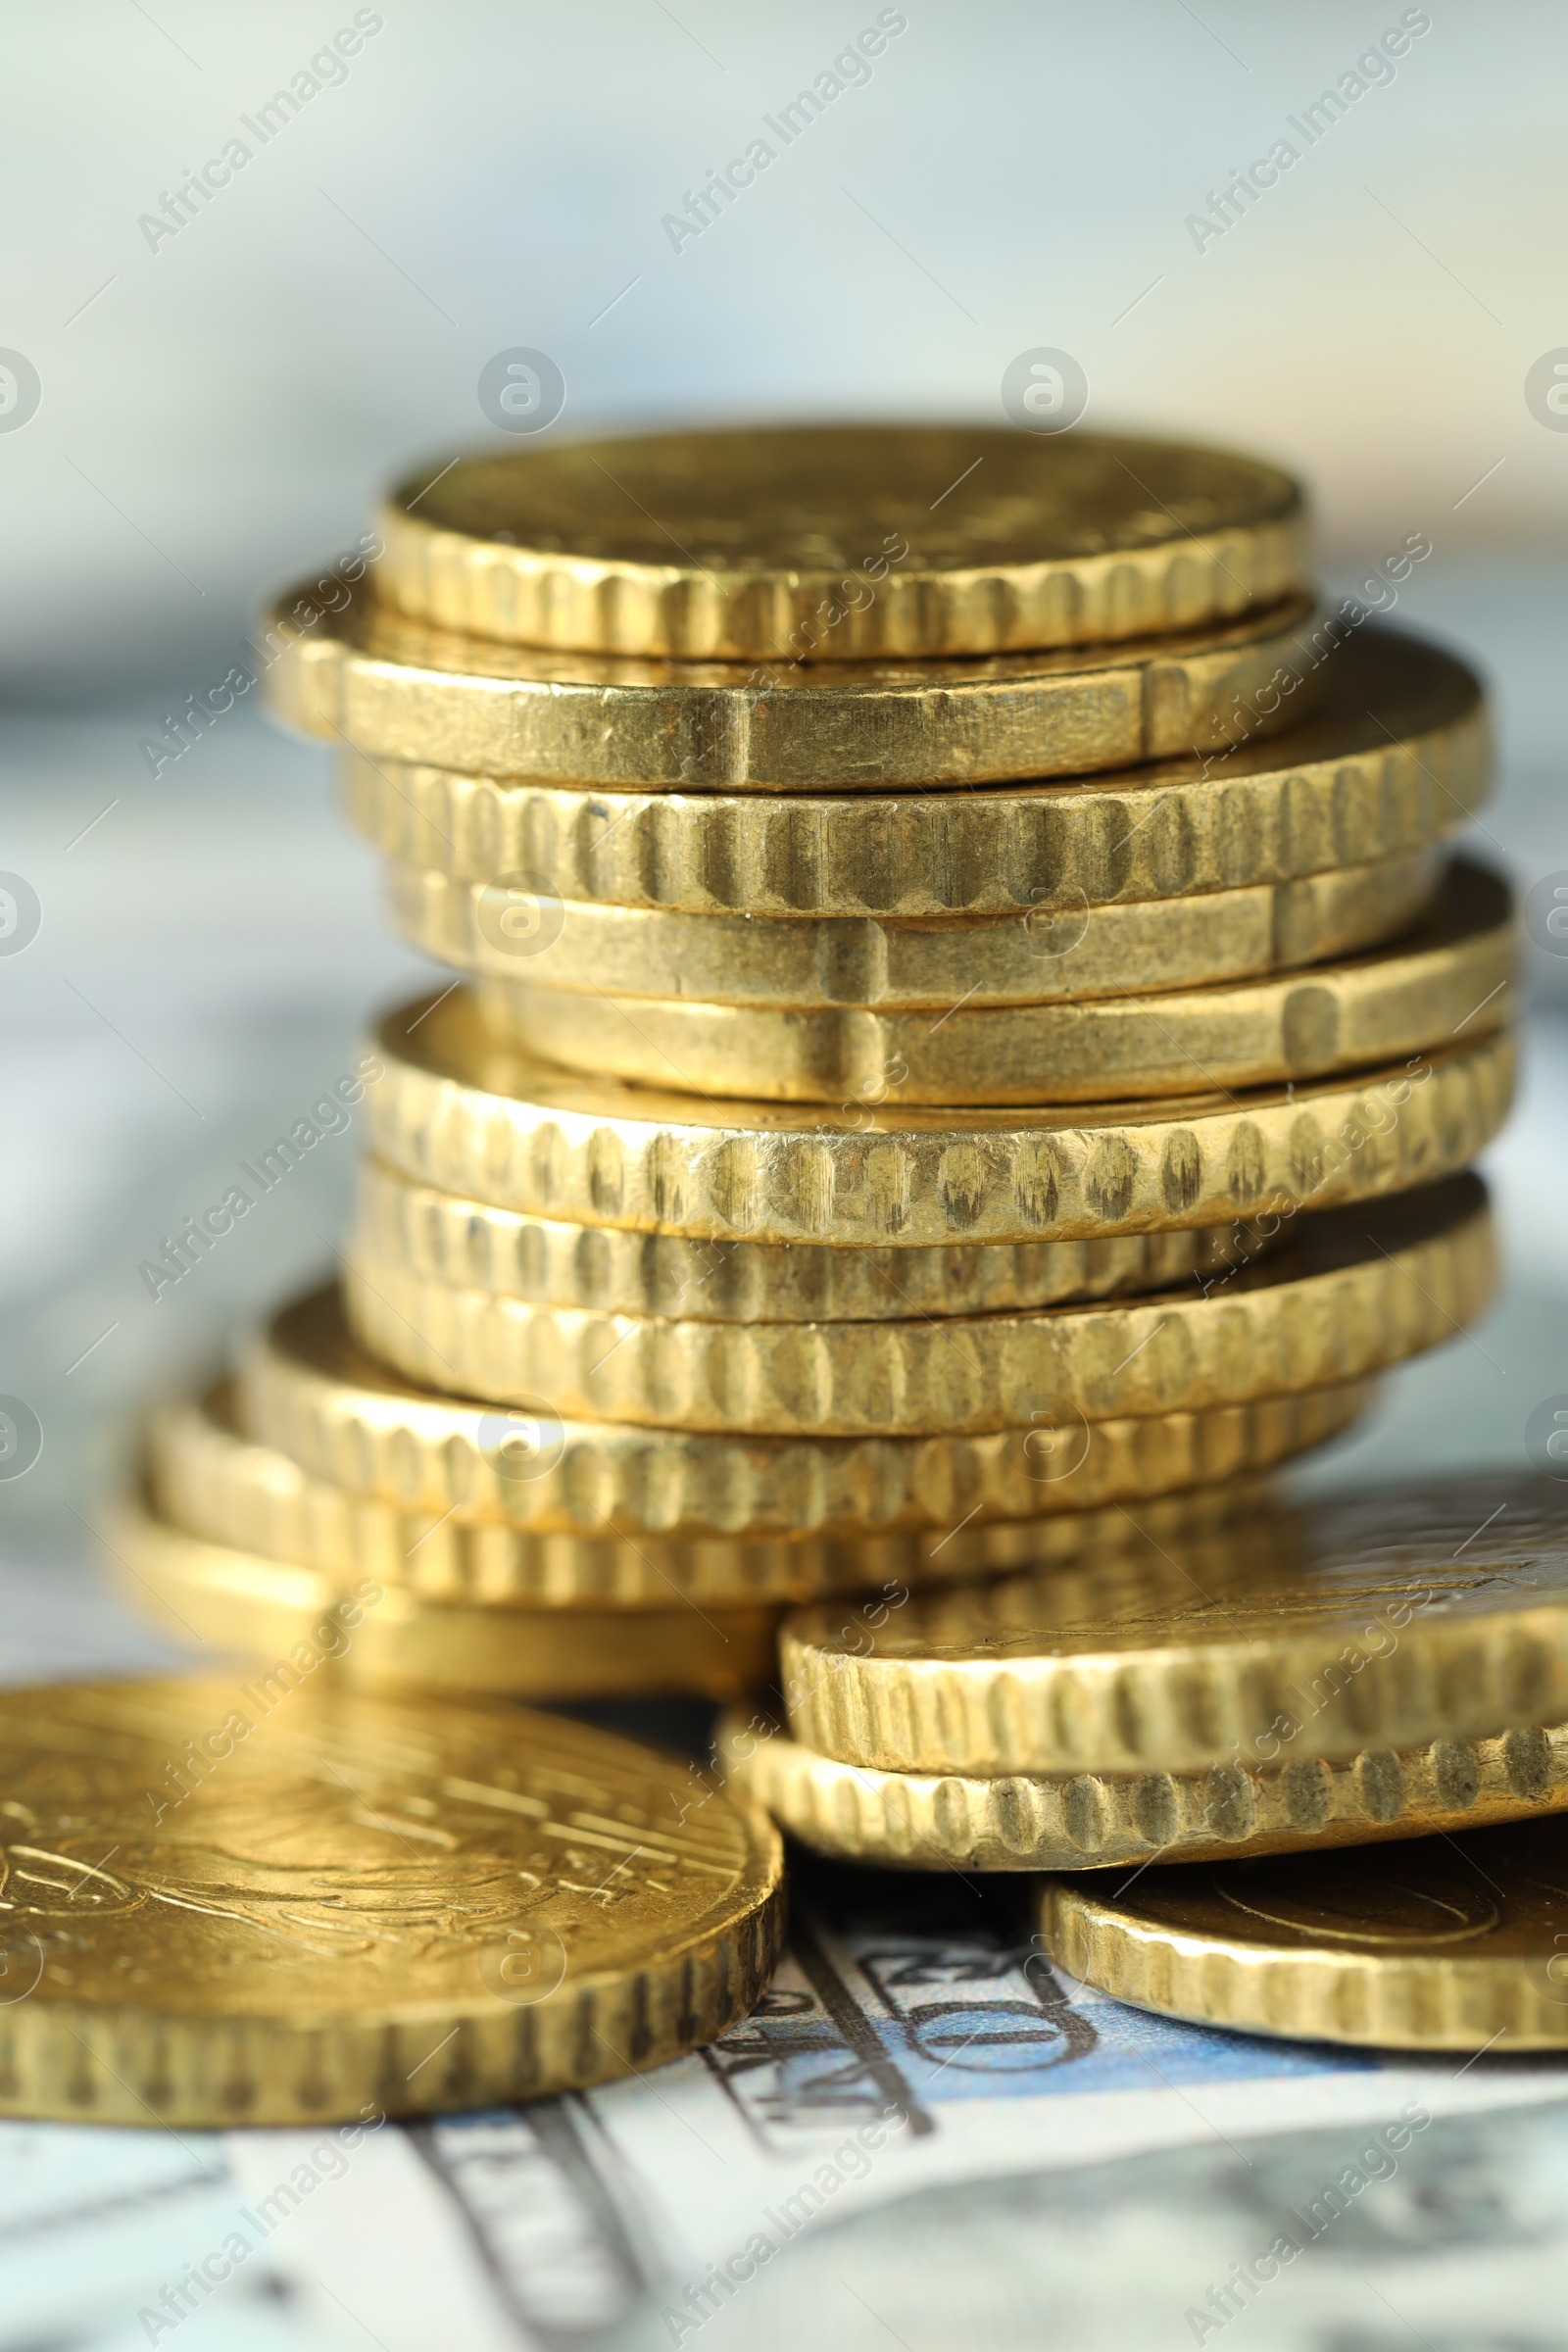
(218, 404)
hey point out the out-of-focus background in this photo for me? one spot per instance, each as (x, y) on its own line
(220, 385)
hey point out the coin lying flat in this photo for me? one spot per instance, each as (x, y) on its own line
(398, 689)
(306, 1391)
(441, 1237)
(457, 1109)
(1080, 1821)
(245, 1911)
(1396, 759)
(1358, 1290)
(1454, 972)
(1385, 1620)
(1051, 954)
(1445, 1943)
(249, 1603)
(834, 542)
(210, 1479)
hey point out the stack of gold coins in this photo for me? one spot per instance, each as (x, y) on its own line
(966, 1028)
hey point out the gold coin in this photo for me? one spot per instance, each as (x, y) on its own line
(835, 542)
(209, 1479)
(1449, 1943)
(306, 1390)
(396, 689)
(1453, 974)
(441, 1237)
(1358, 1290)
(1053, 954)
(1397, 759)
(243, 1907)
(1384, 1620)
(253, 1604)
(455, 1108)
(1100, 1821)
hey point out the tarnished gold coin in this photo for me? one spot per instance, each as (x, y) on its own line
(364, 675)
(1445, 1943)
(828, 543)
(1051, 954)
(444, 1236)
(1359, 1288)
(1454, 973)
(1102, 1821)
(393, 1640)
(306, 1390)
(207, 1478)
(457, 1109)
(231, 1901)
(1385, 1620)
(1396, 759)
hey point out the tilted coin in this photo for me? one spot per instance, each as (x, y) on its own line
(1082, 1821)
(1444, 1944)
(245, 1904)
(1358, 1290)
(304, 1390)
(1396, 759)
(207, 1478)
(1452, 974)
(385, 1637)
(833, 542)
(443, 1237)
(455, 1108)
(1384, 1620)
(1053, 954)
(392, 687)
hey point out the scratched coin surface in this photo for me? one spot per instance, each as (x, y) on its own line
(251, 1904)
(1385, 1620)
(1445, 1943)
(825, 542)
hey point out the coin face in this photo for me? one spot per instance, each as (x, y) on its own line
(1451, 1942)
(274, 1904)
(824, 542)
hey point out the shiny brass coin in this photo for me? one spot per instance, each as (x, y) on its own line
(1396, 759)
(252, 1604)
(235, 1902)
(1452, 974)
(304, 1390)
(398, 689)
(1385, 1620)
(1446, 1943)
(1051, 954)
(210, 1479)
(1359, 1288)
(1082, 1821)
(441, 1237)
(456, 1110)
(830, 543)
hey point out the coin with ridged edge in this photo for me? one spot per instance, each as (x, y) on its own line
(304, 1390)
(1082, 1821)
(443, 1237)
(363, 676)
(246, 1602)
(1383, 1620)
(824, 542)
(1444, 1944)
(1359, 1288)
(1454, 972)
(324, 1907)
(455, 1108)
(1054, 954)
(207, 1478)
(1396, 759)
